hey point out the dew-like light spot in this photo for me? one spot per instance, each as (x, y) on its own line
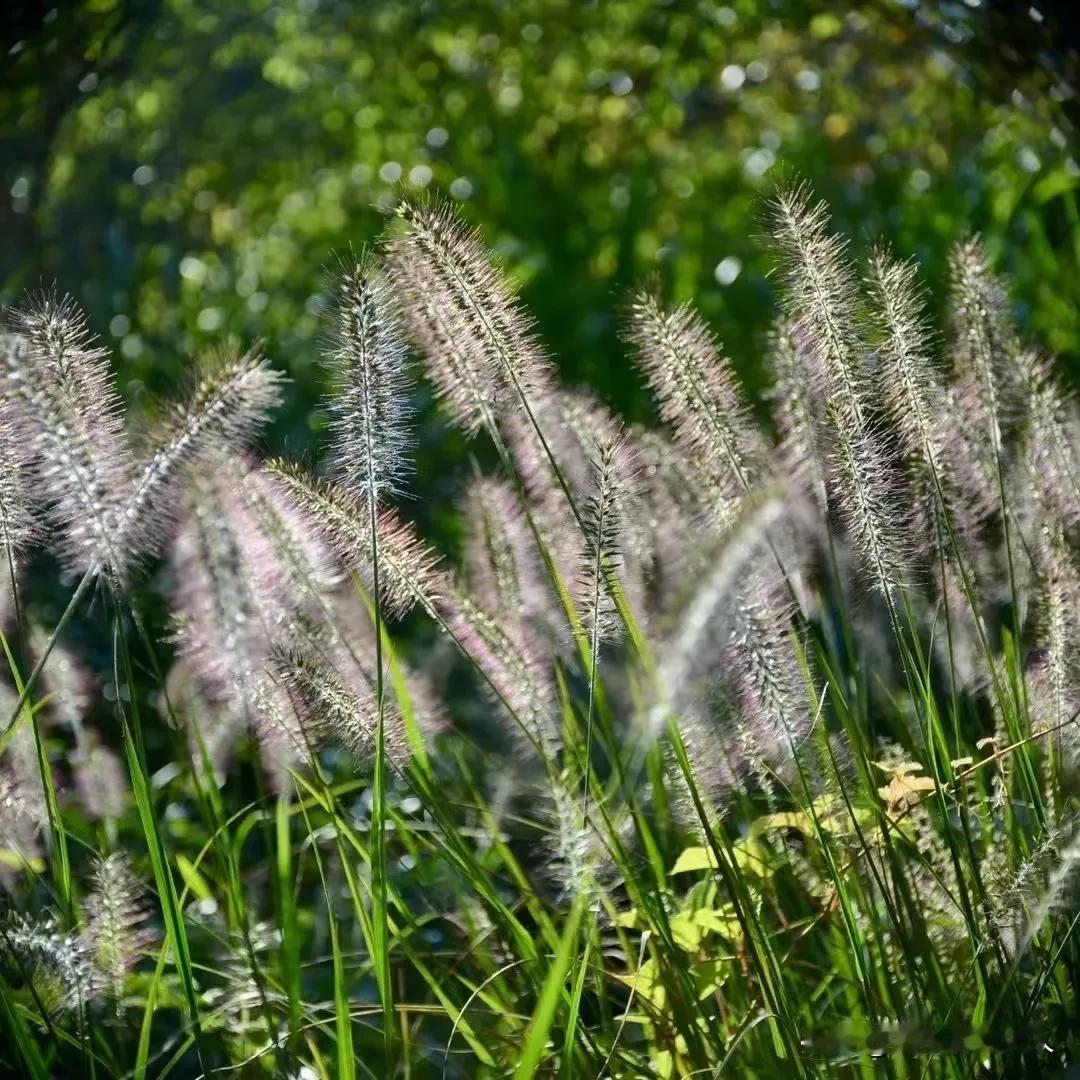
(193, 269)
(210, 318)
(920, 180)
(727, 270)
(420, 175)
(390, 172)
(733, 76)
(461, 188)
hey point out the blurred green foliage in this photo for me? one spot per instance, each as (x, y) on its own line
(186, 168)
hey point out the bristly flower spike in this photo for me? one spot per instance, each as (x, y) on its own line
(17, 526)
(251, 569)
(764, 666)
(797, 404)
(916, 403)
(53, 961)
(231, 402)
(111, 512)
(502, 564)
(71, 419)
(327, 706)
(866, 485)
(1056, 682)
(822, 296)
(698, 395)
(408, 571)
(460, 311)
(610, 506)
(516, 670)
(911, 381)
(1053, 446)
(222, 619)
(294, 554)
(559, 477)
(687, 660)
(116, 931)
(983, 337)
(100, 780)
(366, 359)
(733, 653)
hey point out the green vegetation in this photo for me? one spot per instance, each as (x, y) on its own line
(214, 156)
(384, 703)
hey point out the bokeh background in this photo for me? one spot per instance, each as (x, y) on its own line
(189, 168)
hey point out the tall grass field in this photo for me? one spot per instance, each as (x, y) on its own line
(746, 745)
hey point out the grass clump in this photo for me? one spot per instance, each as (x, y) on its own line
(717, 749)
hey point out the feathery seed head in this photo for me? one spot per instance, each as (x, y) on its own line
(697, 393)
(821, 294)
(1022, 894)
(231, 401)
(574, 424)
(101, 780)
(70, 418)
(55, 962)
(571, 422)
(502, 566)
(821, 297)
(330, 708)
(574, 849)
(1053, 445)
(687, 661)
(763, 664)
(408, 570)
(223, 621)
(611, 513)
(116, 916)
(866, 488)
(798, 406)
(970, 456)
(18, 528)
(23, 764)
(674, 514)
(1055, 677)
(69, 684)
(518, 671)
(919, 409)
(345, 641)
(284, 743)
(477, 340)
(291, 557)
(20, 820)
(366, 359)
(252, 568)
(746, 708)
(911, 382)
(983, 339)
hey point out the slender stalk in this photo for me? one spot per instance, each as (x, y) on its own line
(378, 811)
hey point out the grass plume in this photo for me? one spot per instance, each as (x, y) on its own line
(635, 776)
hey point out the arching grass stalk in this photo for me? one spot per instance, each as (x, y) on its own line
(378, 809)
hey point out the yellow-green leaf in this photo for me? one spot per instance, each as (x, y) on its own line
(694, 858)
